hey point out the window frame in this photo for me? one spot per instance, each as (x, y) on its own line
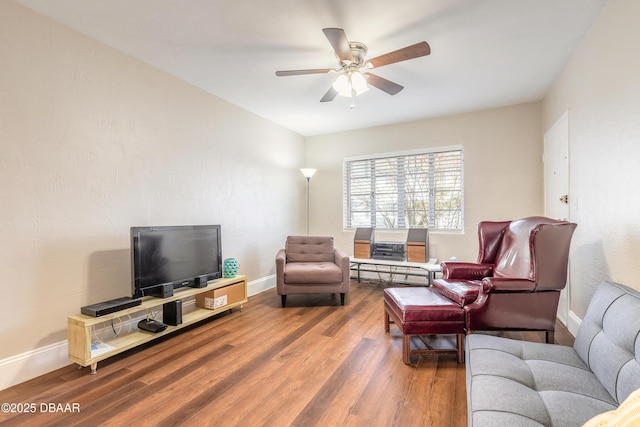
(400, 208)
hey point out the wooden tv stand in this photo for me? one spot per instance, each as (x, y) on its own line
(80, 326)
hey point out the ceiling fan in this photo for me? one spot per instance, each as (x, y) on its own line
(351, 55)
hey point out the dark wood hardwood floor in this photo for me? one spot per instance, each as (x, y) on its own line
(313, 363)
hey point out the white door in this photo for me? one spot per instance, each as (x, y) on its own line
(556, 187)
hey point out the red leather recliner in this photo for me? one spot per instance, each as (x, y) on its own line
(516, 283)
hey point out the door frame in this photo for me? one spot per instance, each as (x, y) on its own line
(560, 132)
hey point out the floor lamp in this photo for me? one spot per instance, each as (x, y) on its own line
(308, 173)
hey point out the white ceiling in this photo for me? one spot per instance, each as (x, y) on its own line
(484, 53)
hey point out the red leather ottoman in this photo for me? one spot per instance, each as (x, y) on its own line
(422, 311)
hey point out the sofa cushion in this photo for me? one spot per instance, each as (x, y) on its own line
(309, 249)
(461, 292)
(520, 383)
(312, 273)
(608, 339)
(418, 304)
(423, 311)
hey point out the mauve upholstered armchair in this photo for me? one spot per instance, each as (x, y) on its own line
(516, 283)
(311, 265)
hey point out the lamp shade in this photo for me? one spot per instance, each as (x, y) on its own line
(307, 172)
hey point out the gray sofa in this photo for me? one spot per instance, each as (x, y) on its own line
(520, 383)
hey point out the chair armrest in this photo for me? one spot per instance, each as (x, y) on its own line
(507, 284)
(341, 259)
(281, 259)
(466, 270)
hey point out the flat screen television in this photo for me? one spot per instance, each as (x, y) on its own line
(164, 258)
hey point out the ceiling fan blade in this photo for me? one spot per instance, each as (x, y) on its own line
(339, 42)
(383, 84)
(330, 95)
(409, 52)
(300, 72)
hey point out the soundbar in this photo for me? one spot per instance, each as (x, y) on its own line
(111, 306)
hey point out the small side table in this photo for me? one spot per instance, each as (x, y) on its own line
(417, 269)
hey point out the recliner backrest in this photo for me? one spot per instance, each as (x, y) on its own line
(514, 258)
(490, 234)
(309, 249)
(551, 244)
(536, 248)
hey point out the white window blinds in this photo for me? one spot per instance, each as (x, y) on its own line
(405, 190)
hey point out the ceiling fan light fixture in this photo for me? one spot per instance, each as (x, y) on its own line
(346, 83)
(359, 83)
(342, 86)
(352, 60)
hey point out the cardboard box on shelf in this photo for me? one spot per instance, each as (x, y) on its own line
(220, 297)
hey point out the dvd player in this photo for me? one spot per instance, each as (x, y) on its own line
(111, 306)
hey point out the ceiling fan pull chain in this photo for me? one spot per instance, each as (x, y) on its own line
(353, 98)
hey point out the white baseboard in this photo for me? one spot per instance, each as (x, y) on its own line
(23, 367)
(573, 323)
(254, 287)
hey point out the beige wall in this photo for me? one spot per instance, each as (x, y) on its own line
(502, 170)
(93, 142)
(600, 87)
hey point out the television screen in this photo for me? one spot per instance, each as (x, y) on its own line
(172, 257)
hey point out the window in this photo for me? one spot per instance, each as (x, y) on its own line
(404, 190)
